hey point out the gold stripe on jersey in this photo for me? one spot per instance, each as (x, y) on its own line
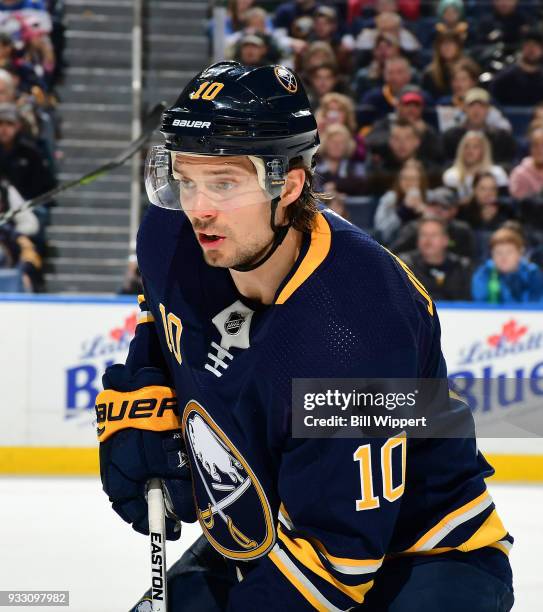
(145, 317)
(321, 239)
(502, 545)
(304, 552)
(141, 298)
(452, 520)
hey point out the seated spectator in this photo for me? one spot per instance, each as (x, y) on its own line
(253, 50)
(336, 171)
(445, 275)
(436, 78)
(473, 156)
(326, 29)
(521, 83)
(403, 144)
(477, 108)
(403, 203)
(410, 108)
(287, 13)
(256, 22)
(381, 101)
(25, 222)
(323, 80)
(507, 278)
(337, 108)
(315, 54)
(391, 24)
(450, 109)
(451, 19)
(485, 212)
(21, 162)
(526, 179)
(386, 47)
(236, 15)
(441, 203)
(504, 23)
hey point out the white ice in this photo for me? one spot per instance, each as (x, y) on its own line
(61, 533)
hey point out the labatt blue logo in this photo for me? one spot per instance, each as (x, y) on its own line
(486, 386)
(84, 379)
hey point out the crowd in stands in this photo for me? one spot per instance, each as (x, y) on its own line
(31, 45)
(430, 115)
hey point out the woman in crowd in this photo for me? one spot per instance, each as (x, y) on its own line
(315, 54)
(507, 277)
(485, 212)
(336, 170)
(403, 203)
(436, 79)
(337, 108)
(473, 157)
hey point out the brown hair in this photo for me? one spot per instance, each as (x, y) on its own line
(345, 102)
(423, 179)
(437, 68)
(507, 235)
(302, 213)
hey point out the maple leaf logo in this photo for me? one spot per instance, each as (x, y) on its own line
(511, 332)
(129, 328)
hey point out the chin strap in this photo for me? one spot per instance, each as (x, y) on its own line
(279, 233)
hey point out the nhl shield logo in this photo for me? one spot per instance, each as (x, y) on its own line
(234, 323)
(286, 78)
(232, 507)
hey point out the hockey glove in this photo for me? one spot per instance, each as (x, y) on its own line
(140, 438)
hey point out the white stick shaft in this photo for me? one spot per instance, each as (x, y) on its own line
(157, 534)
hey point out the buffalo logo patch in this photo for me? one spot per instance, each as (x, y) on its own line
(231, 505)
(286, 78)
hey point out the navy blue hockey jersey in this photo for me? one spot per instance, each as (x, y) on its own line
(308, 522)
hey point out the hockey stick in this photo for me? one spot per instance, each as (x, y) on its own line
(150, 124)
(157, 535)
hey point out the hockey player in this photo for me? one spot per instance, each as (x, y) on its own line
(248, 285)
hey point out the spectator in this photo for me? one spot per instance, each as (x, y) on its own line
(337, 108)
(7, 87)
(256, 22)
(485, 212)
(507, 278)
(521, 84)
(441, 203)
(473, 156)
(527, 178)
(477, 108)
(21, 162)
(410, 108)
(381, 101)
(403, 203)
(504, 24)
(445, 275)
(326, 29)
(236, 15)
(451, 19)
(436, 78)
(315, 54)
(336, 171)
(323, 80)
(252, 50)
(391, 24)
(450, 109)
(386, 47)
(287, 13)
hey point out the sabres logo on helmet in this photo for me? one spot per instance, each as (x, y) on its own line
(286, 78)
(232, 507)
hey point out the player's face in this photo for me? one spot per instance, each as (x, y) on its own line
(228, 235)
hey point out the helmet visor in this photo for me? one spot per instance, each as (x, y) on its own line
(188, 182)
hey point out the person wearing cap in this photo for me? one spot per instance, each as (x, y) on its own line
(445, 275)
(476, 110)
(252, 50)
(22, 164)
(521, 83)
(441, 203)
(326, 29)
(410, 108)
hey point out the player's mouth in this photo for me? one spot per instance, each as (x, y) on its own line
(210, 241)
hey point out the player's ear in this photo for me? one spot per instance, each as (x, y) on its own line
(293, 187)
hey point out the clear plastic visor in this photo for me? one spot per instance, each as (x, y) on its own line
(191, 182)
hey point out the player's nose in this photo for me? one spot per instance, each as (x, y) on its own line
(202, 206)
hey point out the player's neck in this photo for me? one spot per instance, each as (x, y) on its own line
(262, 283)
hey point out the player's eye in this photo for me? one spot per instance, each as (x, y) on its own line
(186, 184)
(223, 186)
